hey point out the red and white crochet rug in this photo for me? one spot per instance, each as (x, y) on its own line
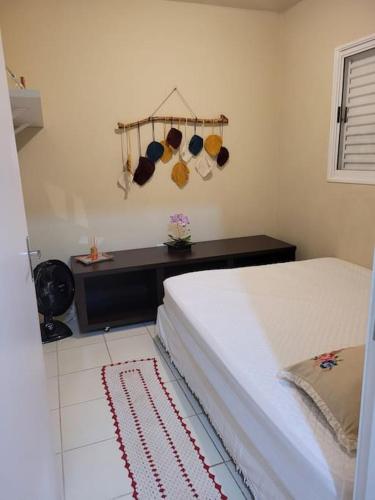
(159, 452)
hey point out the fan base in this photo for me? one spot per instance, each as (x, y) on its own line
(54, 330)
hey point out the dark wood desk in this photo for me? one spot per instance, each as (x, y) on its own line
(129, 288)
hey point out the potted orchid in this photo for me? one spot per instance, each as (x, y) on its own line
(179, 232)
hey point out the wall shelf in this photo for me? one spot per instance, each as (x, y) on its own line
(26, 110)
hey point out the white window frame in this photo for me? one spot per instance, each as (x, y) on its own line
(335, 174)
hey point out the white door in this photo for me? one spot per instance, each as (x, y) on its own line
(27, 461)
(365, 474)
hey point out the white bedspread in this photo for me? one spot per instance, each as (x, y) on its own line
(249, 323)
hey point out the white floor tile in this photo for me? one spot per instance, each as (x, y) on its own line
(86, 423)
(50, 359)
(137, 347)
(81, 386)
(152, 330)
(95, 472)
(60, 474)
(183, 406)
(239, 480)
(53, 393)
(80, 340)
(229, 485)
(55, 426)
(215, 438)
(49, 347)
(122, 333)
(207, 447)
(82, 358)
(192, 399)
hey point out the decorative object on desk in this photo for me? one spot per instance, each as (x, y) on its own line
(101, 257)
(94, 255)
(179, 232)
(93, 249)
(54, 285)
(146, 167)
(155, 149)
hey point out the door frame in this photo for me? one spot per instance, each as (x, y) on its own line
(364, 486)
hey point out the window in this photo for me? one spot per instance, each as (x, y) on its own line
(352, 140)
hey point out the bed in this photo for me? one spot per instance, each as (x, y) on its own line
(230, 331)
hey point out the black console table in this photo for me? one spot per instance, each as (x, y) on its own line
(129, 288)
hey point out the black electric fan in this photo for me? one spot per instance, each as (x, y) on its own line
(54, 284)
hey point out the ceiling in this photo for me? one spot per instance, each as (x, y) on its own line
(273, 5)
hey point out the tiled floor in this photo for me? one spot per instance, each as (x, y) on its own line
(87, 455)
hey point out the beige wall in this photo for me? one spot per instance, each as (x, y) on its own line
(321, 218)
(97, 62)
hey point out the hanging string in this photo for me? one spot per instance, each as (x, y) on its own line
(164, 101)
(139, 141)
(165, 129)
(122, 153)
(129, 151)
(184, 101)
(153, 130)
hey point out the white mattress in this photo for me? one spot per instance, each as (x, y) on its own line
(239, 327)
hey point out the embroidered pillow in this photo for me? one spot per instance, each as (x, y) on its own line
(334, 381)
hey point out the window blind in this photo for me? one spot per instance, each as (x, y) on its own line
(356, 115)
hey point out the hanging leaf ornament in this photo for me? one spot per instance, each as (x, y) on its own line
(145, 168)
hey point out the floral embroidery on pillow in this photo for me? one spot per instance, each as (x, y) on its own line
(327, 360)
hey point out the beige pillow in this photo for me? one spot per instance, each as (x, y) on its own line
(334, 380)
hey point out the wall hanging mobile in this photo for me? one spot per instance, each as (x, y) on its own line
(203, 153)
